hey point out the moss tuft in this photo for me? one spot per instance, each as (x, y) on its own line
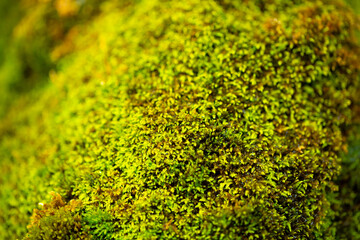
(57, 220)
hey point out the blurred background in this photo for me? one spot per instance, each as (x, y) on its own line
(34, 34)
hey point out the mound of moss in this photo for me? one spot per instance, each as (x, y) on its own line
(185, 120)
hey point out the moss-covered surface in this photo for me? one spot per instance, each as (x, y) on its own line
(347, 201)
(183, 120)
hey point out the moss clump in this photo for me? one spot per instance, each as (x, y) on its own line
(57, 220)
(190, 120)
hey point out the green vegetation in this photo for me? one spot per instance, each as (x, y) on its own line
(57, 221)
(180, 120)
(346, 202)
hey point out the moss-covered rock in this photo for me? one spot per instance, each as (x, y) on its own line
(186, 120)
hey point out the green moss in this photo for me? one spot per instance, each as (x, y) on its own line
(346, 202)
(57, 220)
(188, 120)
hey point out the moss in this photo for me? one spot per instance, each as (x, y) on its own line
(58, 220)
(346, 202)
(187, 120)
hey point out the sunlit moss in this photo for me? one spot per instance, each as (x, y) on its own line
(57, 220)
(188, 120)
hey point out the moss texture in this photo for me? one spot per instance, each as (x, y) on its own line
(183, 120)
